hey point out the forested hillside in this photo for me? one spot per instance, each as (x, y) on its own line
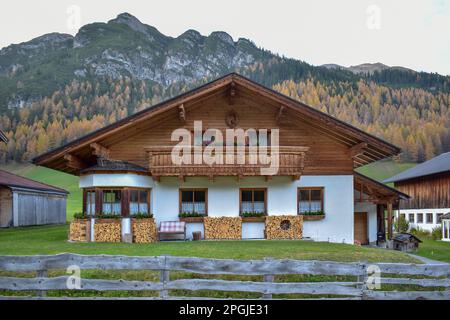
(57, 88)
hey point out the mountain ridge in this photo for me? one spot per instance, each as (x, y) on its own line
(124, 46)
(59, 87)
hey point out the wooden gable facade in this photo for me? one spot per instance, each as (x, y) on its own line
(311, 142)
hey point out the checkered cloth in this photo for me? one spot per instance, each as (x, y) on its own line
(172, 226)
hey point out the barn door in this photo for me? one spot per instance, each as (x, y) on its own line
(360, 229)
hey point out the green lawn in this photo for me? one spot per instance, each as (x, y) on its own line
(436, 250)
(53, 240)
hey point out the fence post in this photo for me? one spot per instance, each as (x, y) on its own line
(268, 278)
(362, 279)
(41, 274)
(164, 278)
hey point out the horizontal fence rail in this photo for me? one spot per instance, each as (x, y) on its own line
(435, 277)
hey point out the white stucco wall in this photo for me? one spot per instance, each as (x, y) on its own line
(223, 200)
(116, 180)
(424, 225)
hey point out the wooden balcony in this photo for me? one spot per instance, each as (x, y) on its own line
(291, 163)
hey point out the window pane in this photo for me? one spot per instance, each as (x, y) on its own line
(316, 200)
(134, 204)
(303, 201)
(90, 202)
(199, 196)
(111, 201)
(411, 217)
(439, 218)
(420, 218)
(246, 196)
(429, 218)
(187, 196)
(258, 195)
(143, 201)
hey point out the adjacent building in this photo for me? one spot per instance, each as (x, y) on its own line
(428, 185)
(129, 167)
(25, 202)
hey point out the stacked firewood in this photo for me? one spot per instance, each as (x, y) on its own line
(223, 227)
(107, 230)
(78, 230)
(144, 230)
(284, 227)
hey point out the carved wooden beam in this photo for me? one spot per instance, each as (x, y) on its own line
(358, 149)
(232, 93)
(182, 113)
(75, 162)
(99, 150)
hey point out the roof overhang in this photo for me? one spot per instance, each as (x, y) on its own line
(363, 147)
(377, 191)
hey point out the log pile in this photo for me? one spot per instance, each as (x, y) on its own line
(223, 228)
(284, 227)
(79, 230)
(144, 230)
(107, 230)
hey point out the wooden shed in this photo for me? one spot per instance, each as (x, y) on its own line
(24, 202)
(406, 242)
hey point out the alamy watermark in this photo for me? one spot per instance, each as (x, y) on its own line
(239, 146)
(373, 21)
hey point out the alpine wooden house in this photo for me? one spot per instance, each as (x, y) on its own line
(127, 169)
(428, 185)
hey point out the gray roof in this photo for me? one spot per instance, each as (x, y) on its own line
(403, 237)
(438, 164)
(114, 165)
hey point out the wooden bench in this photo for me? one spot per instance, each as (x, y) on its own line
(172, 227)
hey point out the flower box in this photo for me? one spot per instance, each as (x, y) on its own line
(192, 219)
(253, 219)
(313, 217)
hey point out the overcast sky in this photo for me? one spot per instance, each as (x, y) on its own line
(414, 34)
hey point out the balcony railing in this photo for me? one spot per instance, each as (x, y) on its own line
(291, 160)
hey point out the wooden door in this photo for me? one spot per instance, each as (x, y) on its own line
(360, 229)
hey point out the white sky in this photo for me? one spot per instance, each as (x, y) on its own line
(414, 33)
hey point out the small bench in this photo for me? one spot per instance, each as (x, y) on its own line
(172, 227)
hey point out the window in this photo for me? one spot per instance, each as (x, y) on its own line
(439, 217)
(411, 217)
(310, 200)
(403, 216)
(420, 218)
(90, 202)
(253, 200)
(139, 201)
(112, 202)
(193, 201)
(429, 218)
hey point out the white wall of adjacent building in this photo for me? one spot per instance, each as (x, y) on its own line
(223, 200)
(425, 224)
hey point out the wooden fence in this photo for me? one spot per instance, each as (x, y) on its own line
(434, 278)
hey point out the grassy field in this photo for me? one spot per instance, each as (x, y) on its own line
(436, 250)
(53, 239)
